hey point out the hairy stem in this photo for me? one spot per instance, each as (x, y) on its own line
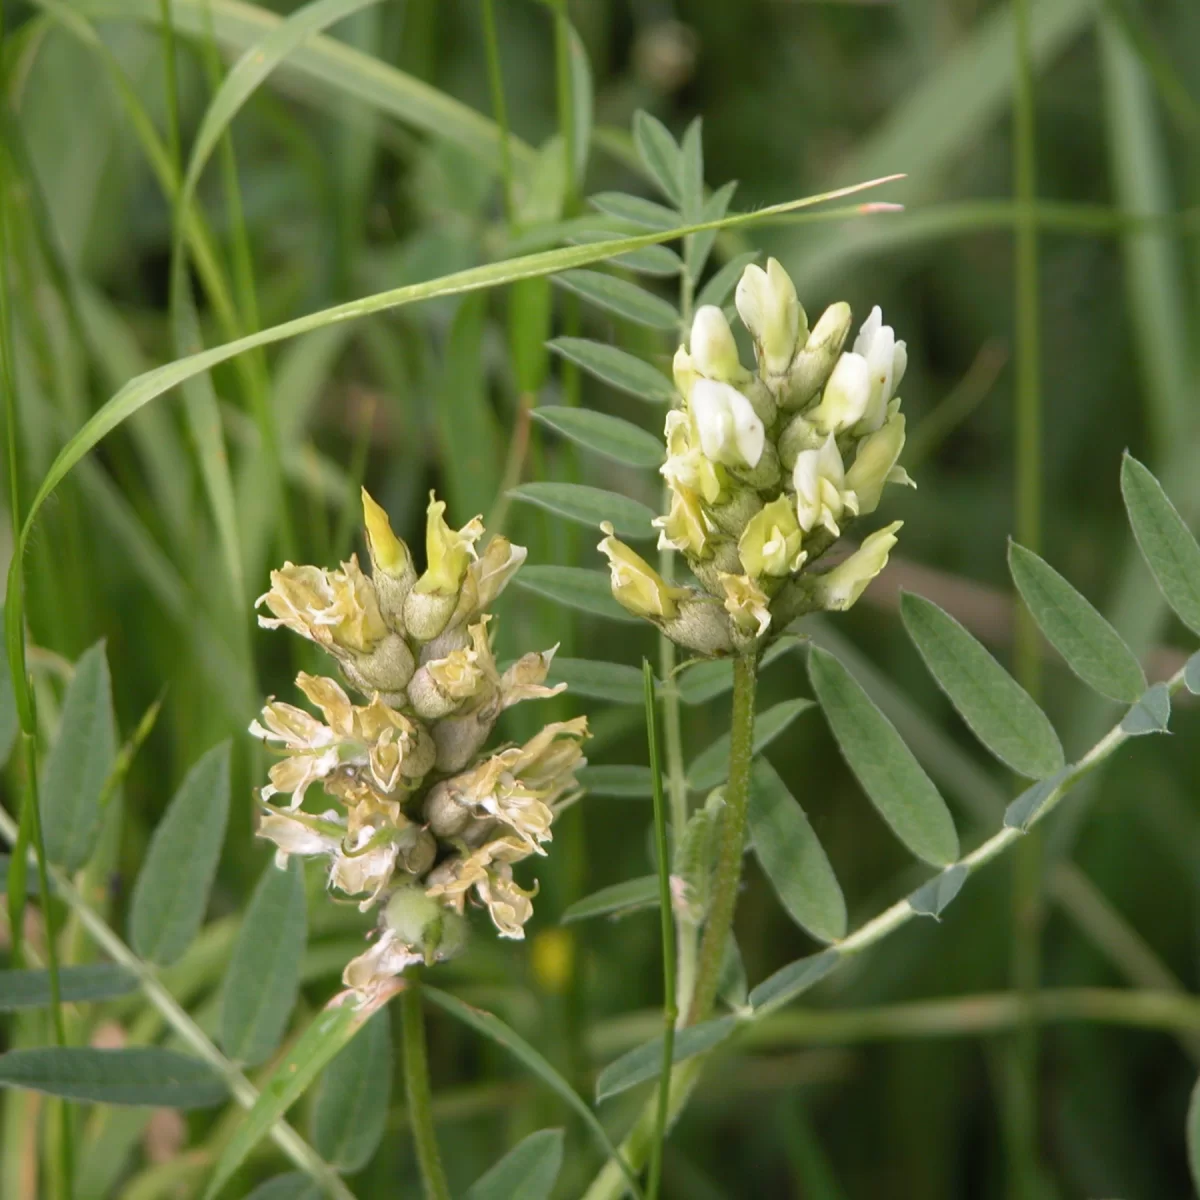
(420, 1099)
(728, 872)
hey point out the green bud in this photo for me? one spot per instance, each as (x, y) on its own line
(814, 364)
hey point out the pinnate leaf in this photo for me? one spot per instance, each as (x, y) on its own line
(589, 506)
(616, 367)
(711, 766)
(889, 773)
(1092, 648)
(792, 858)
(1165, 541)
(79, 762)
(171, 893)
(998, 711)
(611, 436)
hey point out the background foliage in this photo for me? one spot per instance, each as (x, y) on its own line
(350, 180)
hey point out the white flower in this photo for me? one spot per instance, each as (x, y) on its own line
(821, 492)
(373, 970)
(301, 834)
(846, 395)
(713, 351)
(730, 430)
(766, 302)
(842, 586)
(886, 359)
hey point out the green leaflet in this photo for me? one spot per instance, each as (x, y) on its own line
(351, 1109)
(171, 893)
(598, 680)
(590, 506)
(999, 712)
(791, 981)
(1092, 648)
(619, 899)
(889, 773)
(792, 858)
(1167, 545)
(264, 971)
(578, 587)
(328, 1032)
(711, 766)
(644, 1062)
(611, 436)
(92, 981)
(659, 154)
(295, 1185)
(142, 1075)
(622, 298)
(79, 763)
(526, 1172)
(618, 368)
(636, 209)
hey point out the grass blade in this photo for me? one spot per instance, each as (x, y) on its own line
(351, 1110)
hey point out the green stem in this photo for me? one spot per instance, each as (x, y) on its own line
(499, 108)
(728, 871)
(1021, 1091)
(420, 1099)
(670, 1011)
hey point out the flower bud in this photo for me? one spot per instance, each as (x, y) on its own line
(766, 302)
(813, 365)
(338, 610)
(730, 430)
(449, 553)
(770, 543)
(713, 351)
(886, 359)
(701, 626)
(875, 464)
(841, 587)
(798, 434)
(386, 669)
(821, 493)
(636, 585)
(846, 396)
(392, 570)
(425, 925)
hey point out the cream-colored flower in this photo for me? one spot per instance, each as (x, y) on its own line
(686, 465)
(842, 586)
(886, 360)
(713, 351)
(730, 431)
(487, 871)
(448, 552)
(845, 397)
(364, 867)
(301, 834)
(389, 554)
(335, 609)
(771, 542)
(374, 969)
(526, 679)
(636, 585)
(767, 303)
(821, 492)
(747, 604)
(875, 464)
(373, 740)
(686, 527)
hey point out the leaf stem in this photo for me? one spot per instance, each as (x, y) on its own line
(419, 1097)
(728, 871)
(670, 1011)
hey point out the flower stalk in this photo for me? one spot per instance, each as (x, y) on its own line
(419, 1096)
(728, 871)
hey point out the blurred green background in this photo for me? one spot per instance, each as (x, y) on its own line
(340, 198)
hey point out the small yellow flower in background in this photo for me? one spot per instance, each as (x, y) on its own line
(636, 585)
(552, 956)
(426, 817)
